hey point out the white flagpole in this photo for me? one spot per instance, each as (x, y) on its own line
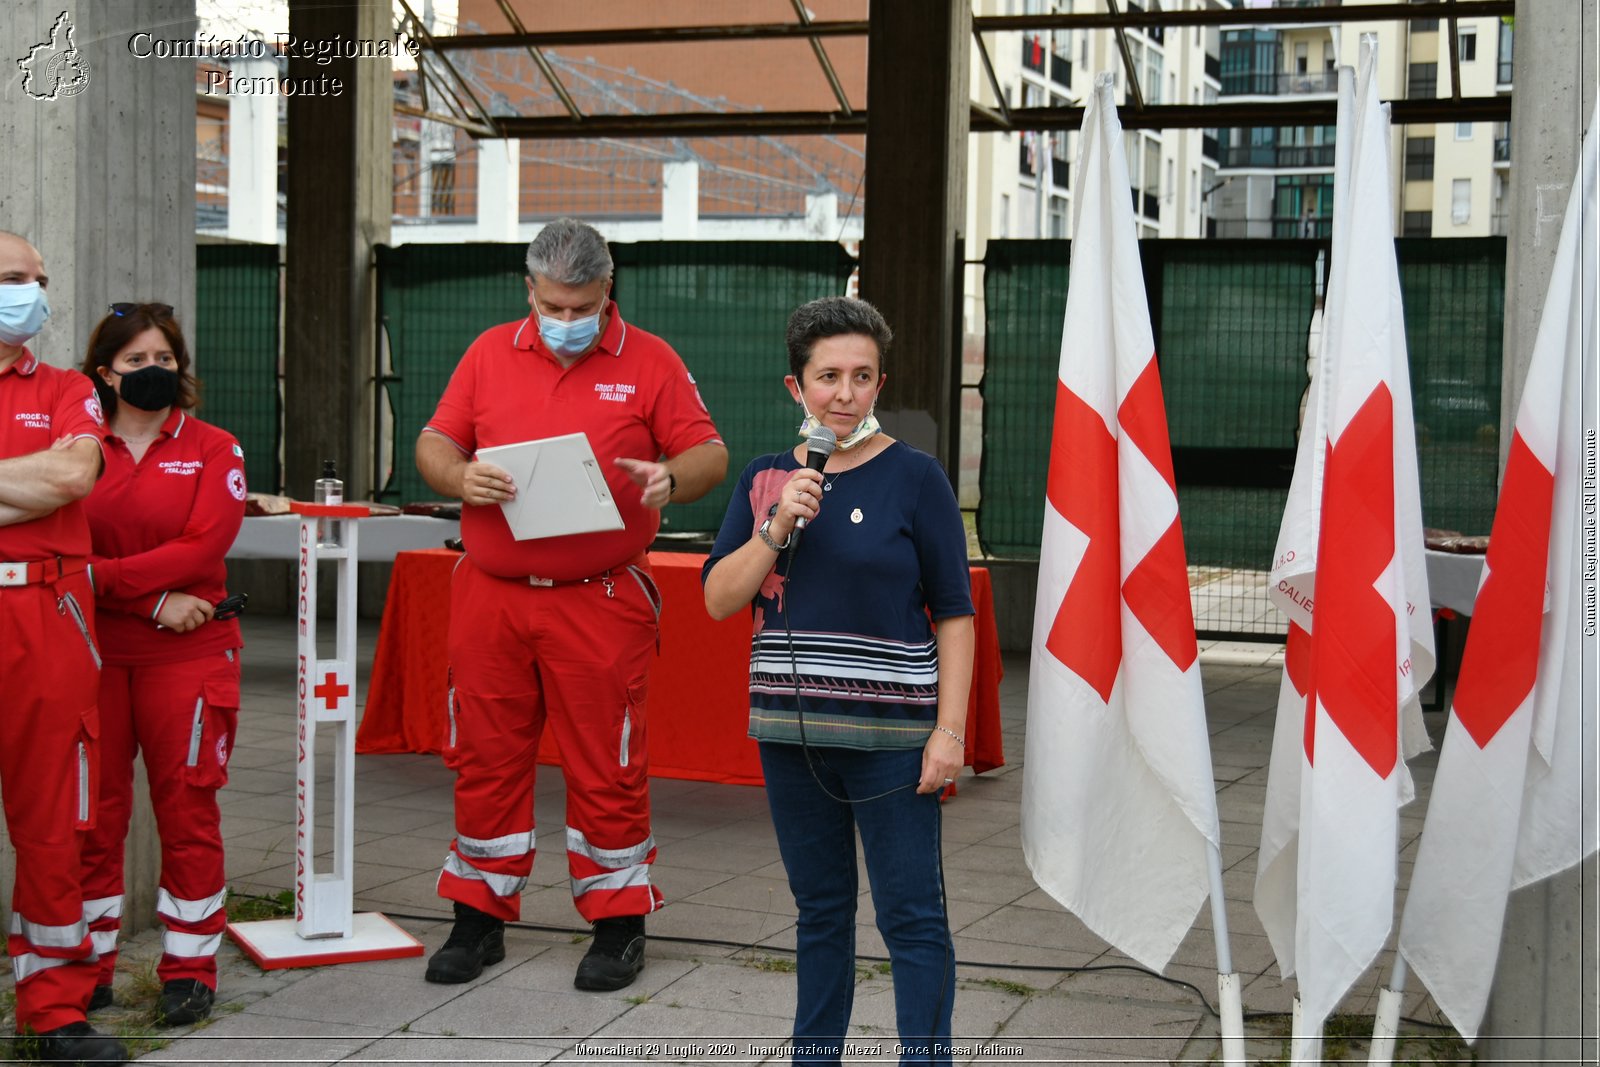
(1387, 1022)
(1306, 1048)
(1230, 1007)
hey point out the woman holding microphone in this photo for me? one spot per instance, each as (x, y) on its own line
(860, 668)
(161, 518)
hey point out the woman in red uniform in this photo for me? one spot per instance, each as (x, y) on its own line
(162, 517)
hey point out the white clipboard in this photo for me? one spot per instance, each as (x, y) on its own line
(560, 488)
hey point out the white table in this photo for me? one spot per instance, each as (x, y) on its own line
(278, 536)
(1453, 580)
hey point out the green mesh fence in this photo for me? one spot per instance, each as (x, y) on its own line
(722, 305)
(1454, 294)
(1025, 296)
(235, 340)
(1231, 320)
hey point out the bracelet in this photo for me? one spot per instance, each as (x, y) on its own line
(770, 542)
(672, 483)
(962, 741)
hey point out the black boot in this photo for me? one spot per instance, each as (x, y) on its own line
(102, 997)
(616, 955)
(76, 1043)
(476, 941)
(184, 1001)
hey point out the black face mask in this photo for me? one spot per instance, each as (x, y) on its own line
(150, 388)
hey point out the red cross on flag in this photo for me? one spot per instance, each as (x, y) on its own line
(1118, 807)
(1350, 573)
(1514, 797)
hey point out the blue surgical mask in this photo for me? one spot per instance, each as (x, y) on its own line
(23, 311)
(569, 338)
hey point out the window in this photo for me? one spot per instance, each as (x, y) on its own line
(1463, 131)
(1417, 224)
(1302, 58)
(1461, 201)
(1058, 216)
(1502, 75)
(1419, 159)
(1422, 81)
(1469, 45)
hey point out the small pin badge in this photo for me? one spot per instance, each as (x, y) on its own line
(855, 516)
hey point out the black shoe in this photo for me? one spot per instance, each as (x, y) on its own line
(184, 1001)
(77, 1043)
(476, 941)
(616, 956)
(102, 997)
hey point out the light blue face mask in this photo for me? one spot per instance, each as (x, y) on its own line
(569, 338)
(24, 310)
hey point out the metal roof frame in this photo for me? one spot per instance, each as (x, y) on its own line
(847, 120)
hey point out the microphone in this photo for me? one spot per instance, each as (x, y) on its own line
(819, 446)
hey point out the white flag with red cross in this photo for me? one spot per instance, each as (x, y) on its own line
(1514, 798)
(1350, 574)
(1119, 806)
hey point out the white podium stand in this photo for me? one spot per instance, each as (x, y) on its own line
(324, 928)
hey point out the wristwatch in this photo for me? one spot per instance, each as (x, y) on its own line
(767, 537)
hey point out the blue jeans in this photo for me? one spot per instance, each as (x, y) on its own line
(900, 839)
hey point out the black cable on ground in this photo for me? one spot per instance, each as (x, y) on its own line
(1034, 968)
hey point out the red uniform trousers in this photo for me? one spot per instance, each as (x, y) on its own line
(183, 717)
(48, 763)
(577, 655)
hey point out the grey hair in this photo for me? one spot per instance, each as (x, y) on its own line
(569, 252)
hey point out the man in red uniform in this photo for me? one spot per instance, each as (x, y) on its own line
(559, 629)
(49, 459)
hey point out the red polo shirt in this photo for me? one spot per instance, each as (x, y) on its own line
(163, 525)
(631, 395)
(38, 405)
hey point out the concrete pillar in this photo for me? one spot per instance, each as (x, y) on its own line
(1544, 995)
(680, 200)
(499, 209)
(822, 216)
(98, 172)
(917, 64)
(340, 200)
(253, 157)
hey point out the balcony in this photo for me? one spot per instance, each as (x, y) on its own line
(1033, 53)
(1276, 156)
(1152, 206)
(1278, 83)
(1060, 169)
(1025, 159)
(1502, 73)
(1502, 150)
(1213, 67)
(1061, 70)
(1320, 229)
(1498, 224)
(1208, 145)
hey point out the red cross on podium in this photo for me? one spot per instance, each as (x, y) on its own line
(331, 691)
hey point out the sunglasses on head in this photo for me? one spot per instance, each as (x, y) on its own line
(160, 311)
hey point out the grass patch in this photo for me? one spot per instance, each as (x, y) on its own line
(249, 907)
(1016, 989)
(774, 964)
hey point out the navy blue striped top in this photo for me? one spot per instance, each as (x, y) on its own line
(843, 646)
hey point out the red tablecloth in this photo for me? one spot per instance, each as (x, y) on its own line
(699, 702)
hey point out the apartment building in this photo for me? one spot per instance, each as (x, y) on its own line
(1451, 178)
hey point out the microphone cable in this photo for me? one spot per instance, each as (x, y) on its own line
(810, 758)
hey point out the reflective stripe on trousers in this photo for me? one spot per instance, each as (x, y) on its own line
(502, 885)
